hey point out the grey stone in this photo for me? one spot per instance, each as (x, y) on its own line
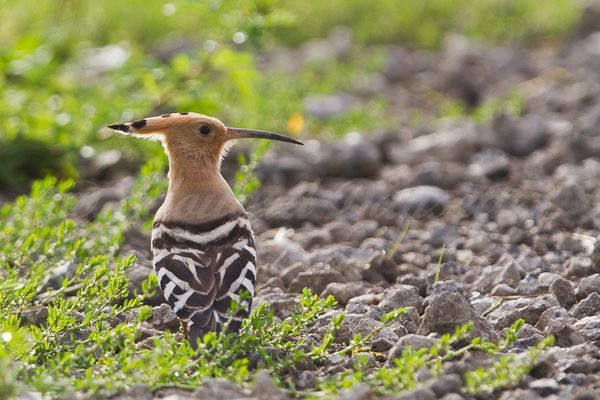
(481, 303)
(283, 305)
(445, 287)
(563, 290)
(508, 272)
(586, 394)
(358, 308)
(520, 137)
(445, 175)
(589, 21)
(400, 64)
(412, 341)
(292, 212)
(401, 296)
(288, 274)
(316, 280)
(138, 392)
(343, 292)
(553, 313)
(375, 312)
(219, 389)
(453, 144)
(451, 383)
(362, 230)
(352, 157)
(546, 279)
(281, 252)
(360, 391)
(506, 219)
(520, 394)
(588, 285)
(587, 307)
(313, 238)
(571, 198)
(595, 258)
(478, 243)
(381, 268)
(285, 170)
(163, 318)
(588, 323)
(569, 243)
(382, 343)
(422, 393)
(344, 259)
(178, 396)
(502, 289)
(34, 316)
(357, 323)
(564, 333)
(578, 267)
(492, 164)
(421, 200)
(441, 235)
(146, 334)
(366, 299)
(544, 386)
(409, 321)
(452, 396)
(447, 311)
(264, 387)
(529, 286)
(528, 309)
(305, 380)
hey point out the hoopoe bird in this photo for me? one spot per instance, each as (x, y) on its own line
(202, 243)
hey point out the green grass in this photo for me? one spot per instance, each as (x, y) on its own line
(425, 23)
(70, 325)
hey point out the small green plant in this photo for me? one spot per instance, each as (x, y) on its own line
(438, 267)
(246, 182)
(399, 240)
(506, 370)
(510, 104)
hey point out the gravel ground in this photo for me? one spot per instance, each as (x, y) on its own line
(514, 202)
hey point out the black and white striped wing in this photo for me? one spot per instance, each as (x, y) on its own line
(201, 268)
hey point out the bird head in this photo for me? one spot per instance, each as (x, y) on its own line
(193, 137)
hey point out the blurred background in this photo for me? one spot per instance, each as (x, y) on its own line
(306, 68)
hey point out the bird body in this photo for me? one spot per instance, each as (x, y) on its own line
(202, 243)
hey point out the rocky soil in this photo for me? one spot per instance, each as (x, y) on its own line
(512, 204)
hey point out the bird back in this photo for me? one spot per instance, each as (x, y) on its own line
(201, 268)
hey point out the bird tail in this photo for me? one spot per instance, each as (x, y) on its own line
(213, 321)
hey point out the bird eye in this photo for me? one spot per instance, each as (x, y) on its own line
(205, 129)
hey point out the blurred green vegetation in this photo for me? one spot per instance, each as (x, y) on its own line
(69, 67)
(425, 23)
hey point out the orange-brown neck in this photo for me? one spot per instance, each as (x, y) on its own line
(197, 191)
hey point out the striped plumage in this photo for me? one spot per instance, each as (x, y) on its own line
(202, 267)
(204, 255)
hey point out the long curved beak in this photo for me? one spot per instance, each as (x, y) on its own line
(239, 133)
